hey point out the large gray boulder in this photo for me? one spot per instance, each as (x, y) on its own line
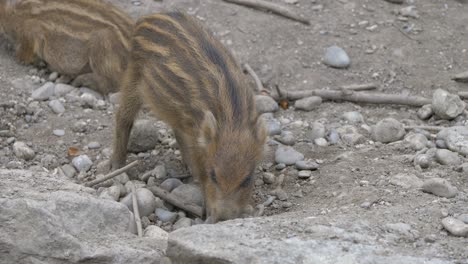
(41, 224)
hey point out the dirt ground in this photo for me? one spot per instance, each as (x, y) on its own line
(412, 56)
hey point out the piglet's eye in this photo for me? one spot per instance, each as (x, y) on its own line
(247, 181)
(213, 176)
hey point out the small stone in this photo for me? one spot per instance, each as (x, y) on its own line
(321, 142)
(464, 167)
(287, 138)
(165, 216)
(306, 165)
(49, 161)
(287, 155)
(406, 181)
(265, 104)
(447, 157)
(53, 76)
(317, 130)
(439, 187)
(95, 94)
(463, 218)
(182, 222)
(333, 137)
(273, 127)
(401, 229)
(146, 201)
(446, 105)
(62, 89)
(304, 174)
(160, 172)
(280, 194)
(94, 145)
(366, 205)
(422, 160)
(112, 193)
(352, 139)
(440, 143)
(82, 163)
(170, 184)
(353, 117)
(79, 126)
(269, 178)
(69, 170)
(88, 100)
(189, 193)
(280, 166)
(59, 132)
(388, 130)
(395, 1)
(44, 92)
(336, 57)
(22, 151)
(425, 112)
(308, 103)
(56, 106)
(153, 231)
(114, 98)
(455, 226)
(144, 136)
(409, 11)
(416, 141)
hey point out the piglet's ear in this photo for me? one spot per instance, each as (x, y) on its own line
(208, 129)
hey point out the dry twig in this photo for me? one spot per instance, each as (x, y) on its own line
(136, 210)
(274, 8)
(428, 128)
(461, 77)
(170, 198)
(112, 174)
(374, 98)
(359, 87)
(258, 82)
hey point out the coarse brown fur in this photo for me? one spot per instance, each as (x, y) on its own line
(193, 83)
(87, 40)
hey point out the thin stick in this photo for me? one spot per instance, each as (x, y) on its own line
(170, 198)
(374, 98)
(359, 87)
(274, 8)
(429, 128)
(463, 95)
(136, 210)
(252, 73)
(461, 77)
(112, 174)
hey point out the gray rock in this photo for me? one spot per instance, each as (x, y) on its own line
(88, 100)
(62, 89)
(321, 142)
(182, 222)
(464, 167)
(22, 151)
(261, 241)
(94, 145)
(353, 139)
(425, 112)
(189, 193)
(306, 165)
(273, 126)
(265, 104)
(69, 170)
(406, 181)
(336, 57)
(112, 193)
(416, 141)
(170, 184)
(409, 11)
(53, 76)
(441, 144)
(269, 178)
(287, 155)
(59, 132)
(353, 117)
(49, 161)
(456, 140)
(287, 138)
(317, 130)
(422, 160)
(333, 137)
(447, 157)
(396, 1)
(82, 163)
(455, 226)
(144, 136)
(114, 98)
(388, 130)
(439, 187)
(79, 126)
(166, 216)
(56, 106)
(402, 229)
(308, 103)
(463, 218)
(446, 105)
(44, 92)
(146, 201)
(153, 231)
(304, 174)
(64, 227)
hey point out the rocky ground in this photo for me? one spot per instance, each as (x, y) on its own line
(340, 182)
